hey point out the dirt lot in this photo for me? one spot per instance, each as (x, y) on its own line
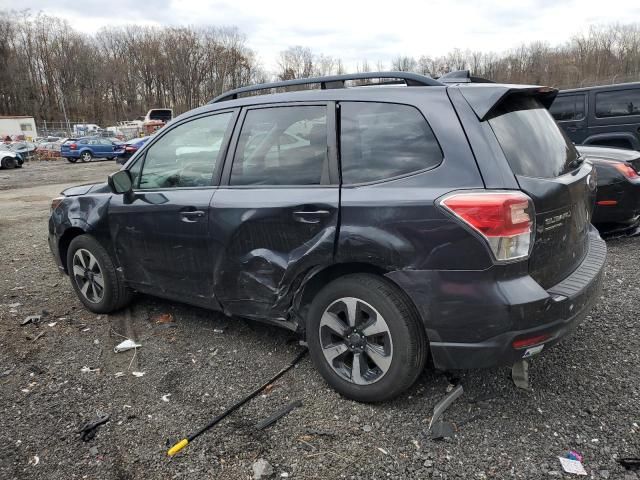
(585, 392)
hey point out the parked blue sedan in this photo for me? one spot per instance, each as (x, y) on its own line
(87, 148)
(131, 147)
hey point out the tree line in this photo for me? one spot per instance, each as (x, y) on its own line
(49, 69)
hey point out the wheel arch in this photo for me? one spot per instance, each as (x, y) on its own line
(316, 279)
(64, 242)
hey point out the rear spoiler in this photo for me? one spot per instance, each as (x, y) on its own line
(485, 97)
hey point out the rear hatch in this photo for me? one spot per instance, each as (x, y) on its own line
(549, 169)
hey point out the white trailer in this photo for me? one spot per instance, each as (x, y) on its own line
(17, 128)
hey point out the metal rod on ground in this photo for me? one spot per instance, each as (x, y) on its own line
(185, 441)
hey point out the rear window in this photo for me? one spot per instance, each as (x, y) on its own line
(532, 142)
(383, 140)
(619, 103)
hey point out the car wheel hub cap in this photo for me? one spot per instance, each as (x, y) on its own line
(88, 275)
(356, 341)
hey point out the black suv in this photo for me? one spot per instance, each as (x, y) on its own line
(607, 115)
(385, 225)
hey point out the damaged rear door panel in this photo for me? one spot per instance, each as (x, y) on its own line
(276, 214)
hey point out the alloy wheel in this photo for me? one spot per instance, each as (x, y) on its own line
(86, 157)
(356, 341)
(88, 275)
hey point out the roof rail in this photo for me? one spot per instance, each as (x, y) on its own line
(462, 76)
(332, 81)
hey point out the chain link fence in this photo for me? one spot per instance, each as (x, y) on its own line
(72, 129)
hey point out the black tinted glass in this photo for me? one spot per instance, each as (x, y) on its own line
(282, 146)
(383, 140)
(532, 142)
(618, 104)
(568, 107)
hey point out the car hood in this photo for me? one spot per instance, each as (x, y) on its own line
(84, 189)
(9, 153)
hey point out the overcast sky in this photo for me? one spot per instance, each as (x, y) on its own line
(356, 30)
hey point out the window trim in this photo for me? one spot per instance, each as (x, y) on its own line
(334, 178)
(616, 90)
(215, 178)
(584, 107)
(395, 177)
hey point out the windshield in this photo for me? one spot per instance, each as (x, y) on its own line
(531, 140)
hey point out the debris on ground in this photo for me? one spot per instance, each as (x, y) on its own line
(277, 415)
(165, 398)
(630, 463)
(441, 429)
(262, 469)
(443, 404)
(35, 460)
(572, 466)
(185, 441)
(89, 429)
(35, 319)
(128, 344)
(163, 318)
(573, 455)
(218, 330)
(138, 374)
(86, 369)
(437, 427)
(118, 374)
(33, 339)
(520, 374)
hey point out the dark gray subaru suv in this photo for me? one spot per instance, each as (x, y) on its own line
(385, 225)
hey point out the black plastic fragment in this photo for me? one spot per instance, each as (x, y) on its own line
(277, 415)
(630, 463)
(89, 430)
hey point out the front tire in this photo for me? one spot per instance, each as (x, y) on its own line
(8, 163)
(93, 276)
(365, 338)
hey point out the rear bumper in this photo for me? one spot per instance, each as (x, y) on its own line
(626, 211)
(472, 318)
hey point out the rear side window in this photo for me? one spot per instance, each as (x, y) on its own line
(532, 142)
(568, 107)
(383, 140)
(619, 103)
(282, 146)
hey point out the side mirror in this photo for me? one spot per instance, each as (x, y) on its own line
(120, 182)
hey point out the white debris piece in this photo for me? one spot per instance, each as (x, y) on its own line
(138, 374)
(128, 344)
(572, 466)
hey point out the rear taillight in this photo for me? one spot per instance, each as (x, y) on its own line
(73, 146)
(626, 170)
(129, 148)
(504, 219)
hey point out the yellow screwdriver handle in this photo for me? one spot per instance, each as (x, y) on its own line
(177, 447)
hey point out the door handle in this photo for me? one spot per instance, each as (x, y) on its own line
(313, 216)
(191, 216)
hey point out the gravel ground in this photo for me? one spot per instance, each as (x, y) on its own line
(585, 392)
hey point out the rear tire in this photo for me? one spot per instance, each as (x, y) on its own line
(367, 317)
(8, 162)
(86, 156)
(94, 277)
